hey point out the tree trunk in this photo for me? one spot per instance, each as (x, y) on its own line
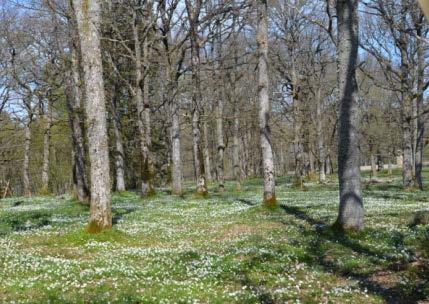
(193, 14)
(406, 108)
(419, 104)
(141, 98)
(26, 164)
(297, 145)
(175, 149)
(264, 105)
(319, 134)
(198, 154)
(88, 15)
(46, 150)
(206, 151)
(373, 165)
(235, 148)
(75, 115)
(407, 145)
(220, 144)
(351, 210)
(119, 151)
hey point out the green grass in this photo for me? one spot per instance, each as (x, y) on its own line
(220, 249)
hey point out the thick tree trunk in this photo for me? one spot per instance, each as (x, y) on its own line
(26, 164)
(88, 15)
(206, 151)
(351, 210)
(119, 146)
(264, 104)
(406, 108)
(46, 150)
(75, 115)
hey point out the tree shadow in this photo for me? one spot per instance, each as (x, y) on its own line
(12, 222)
(119, 213)
(391, 293)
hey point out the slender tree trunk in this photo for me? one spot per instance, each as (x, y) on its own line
(264, 104)
(193, 13)
(206, 151)
(419, 104)
(76, 118)
(220, 144)
(297, 145)
(46, 149)
(26, 164)
(407, 144)
(328, 164)
(148, 162)
(319, 134)
(351, 210)
(373, 165)
(236, 147)
(88, 16)
(119, 151)
(198, 154)
(141, 98)
(175, 149)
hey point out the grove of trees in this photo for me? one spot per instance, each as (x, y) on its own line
(99, 96)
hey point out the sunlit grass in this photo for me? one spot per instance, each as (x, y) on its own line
(222, 249)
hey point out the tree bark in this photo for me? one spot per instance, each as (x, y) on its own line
(198, 153)
(319, 134)
(236, 148)
(351, 210)
(220, 144)
(373, 165)
(75, 115)
(419, 103)
(264, 104)
(175, 149)
(26, 164)
(88, 15)
(193, 14)
(206, 151)
(297, 145)
(46, 149)
(141, 98)
(119, 151)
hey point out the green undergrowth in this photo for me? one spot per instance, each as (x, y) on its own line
(226, 248)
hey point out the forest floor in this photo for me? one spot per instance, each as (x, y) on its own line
(222, 249)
